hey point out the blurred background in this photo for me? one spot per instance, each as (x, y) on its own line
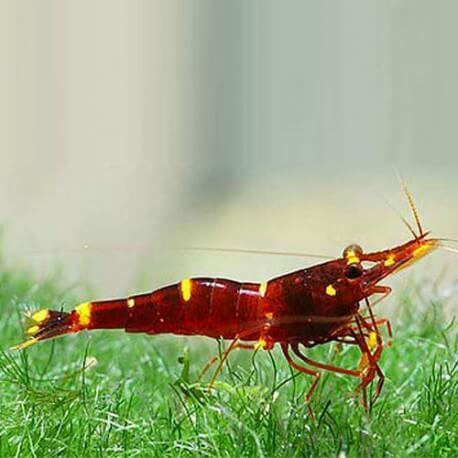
(132, 129)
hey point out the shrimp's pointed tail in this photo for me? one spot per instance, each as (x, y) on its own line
(45, 324)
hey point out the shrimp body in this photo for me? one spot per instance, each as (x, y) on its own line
(281, 310)
(307, 307)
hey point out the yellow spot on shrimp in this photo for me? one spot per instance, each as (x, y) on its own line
(84, 313)
(330, 290)
(263, 289)
(352, 257)
(262, 343)
(131, 302)
(372, 341)
(33, 330)
(389, 261)
(269, 315)
(423, 249)
(186, 287)
(40, 316)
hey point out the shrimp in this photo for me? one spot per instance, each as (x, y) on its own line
(305, 308)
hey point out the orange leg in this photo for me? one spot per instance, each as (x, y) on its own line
(370, 327)
(214, 359)
(233, 346)
(207, 366)
(264, 339)
(373, 358)
(373, 363)
(378, 352)
(300, 368)
(386, 322)
(385, 291)
(327, 367)
(224, 356)
(369, 360)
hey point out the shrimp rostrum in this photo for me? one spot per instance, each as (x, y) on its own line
(327, 302)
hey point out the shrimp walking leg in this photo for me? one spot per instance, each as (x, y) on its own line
(372, 364)
(233, 346)
(305, 370)
(384, 290)
(327, 367)
(214, 359)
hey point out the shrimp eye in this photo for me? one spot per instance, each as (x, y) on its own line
(353, 271)
(352, 250)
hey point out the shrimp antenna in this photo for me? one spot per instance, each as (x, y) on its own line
(448, 240)
(412, 206)
(262, 252)
(406, 223)
(450, 249)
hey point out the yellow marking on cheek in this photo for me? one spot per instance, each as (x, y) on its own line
(372, 341)
(84, 313)
(186, 287)
(130, 302)
(40, 316)
(330, 290)
(263, 289)
(390, 260)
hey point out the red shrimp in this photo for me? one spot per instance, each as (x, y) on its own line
(308, 307)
